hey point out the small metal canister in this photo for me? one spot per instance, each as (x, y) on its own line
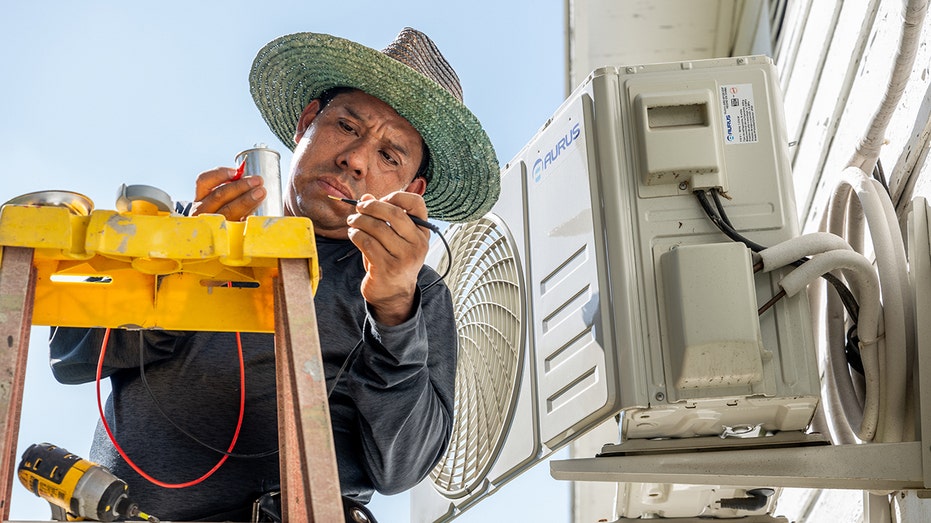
(264, 162)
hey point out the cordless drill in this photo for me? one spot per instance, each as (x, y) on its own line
(76, 488)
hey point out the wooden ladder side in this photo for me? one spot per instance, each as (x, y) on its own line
(309, 476)
(17, 294)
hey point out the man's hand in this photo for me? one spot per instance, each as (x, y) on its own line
(393, 251)
(215, 193)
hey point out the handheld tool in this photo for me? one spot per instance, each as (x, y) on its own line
(76, 488)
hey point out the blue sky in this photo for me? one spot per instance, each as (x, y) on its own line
(96, 94)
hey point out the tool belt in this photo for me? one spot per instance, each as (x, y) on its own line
(268, 509)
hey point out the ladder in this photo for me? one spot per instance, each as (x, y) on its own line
(145, 269)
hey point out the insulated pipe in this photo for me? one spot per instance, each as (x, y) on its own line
(837, 389)
(839, 385)
(890, 256)
(789, 251)
(901, 267)
(863, 276)
(841, 406)
(871, 204)
(903, 355)
(868, 149)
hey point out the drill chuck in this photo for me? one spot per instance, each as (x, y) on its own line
(79, 488)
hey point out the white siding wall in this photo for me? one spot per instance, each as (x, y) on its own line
(834, 59)
(834, 74)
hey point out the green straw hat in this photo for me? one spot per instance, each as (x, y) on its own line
(410, 75)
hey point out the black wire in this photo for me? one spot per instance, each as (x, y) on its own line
(722, 225)
(851, 345)
(847, 298)
(852, 350)
(881, 176)
(161, 411)
(717, 203)
(449, 254)
(342, 369)
(165, 415)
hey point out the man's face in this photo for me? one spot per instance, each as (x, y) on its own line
(356, 145)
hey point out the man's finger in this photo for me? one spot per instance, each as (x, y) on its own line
(207, 181)
(412, 203)
(234, 200)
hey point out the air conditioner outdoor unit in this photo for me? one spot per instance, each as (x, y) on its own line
(597, 286)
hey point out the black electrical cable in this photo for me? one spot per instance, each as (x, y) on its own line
(158, 407)
(722, 225)
(852, 350)
(345, 364)
(847, 298)
(720, 220)
(755, 500)
(880, 176)
(449, 265)
(851, 345)
(349, 357)
(161, 411)
(715, 195)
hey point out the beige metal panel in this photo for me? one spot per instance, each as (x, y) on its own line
(879, 466)
(593, 501)
(611, 32)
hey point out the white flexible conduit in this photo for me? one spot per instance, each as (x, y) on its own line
(868, 149)
(831, 253)
(784, 253)
(859, 205)
(862, 279)
(858, 197)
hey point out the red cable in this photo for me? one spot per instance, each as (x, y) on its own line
(106, 426)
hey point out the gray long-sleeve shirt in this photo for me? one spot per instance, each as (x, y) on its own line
(391, 409)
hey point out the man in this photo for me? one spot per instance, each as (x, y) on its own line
(387, 129)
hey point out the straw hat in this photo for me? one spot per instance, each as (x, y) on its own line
(410, 75)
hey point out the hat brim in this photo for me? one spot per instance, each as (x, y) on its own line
(463, 175)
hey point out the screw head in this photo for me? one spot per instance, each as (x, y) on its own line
(660, 396)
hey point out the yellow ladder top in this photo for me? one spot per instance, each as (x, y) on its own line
(156, 270)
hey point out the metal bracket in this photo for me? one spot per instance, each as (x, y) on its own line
(885, 466)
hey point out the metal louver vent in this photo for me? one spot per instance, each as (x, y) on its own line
(486, 285)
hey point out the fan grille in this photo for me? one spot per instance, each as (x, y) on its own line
(488, 300)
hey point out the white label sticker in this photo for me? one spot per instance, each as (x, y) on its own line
(739, 113)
